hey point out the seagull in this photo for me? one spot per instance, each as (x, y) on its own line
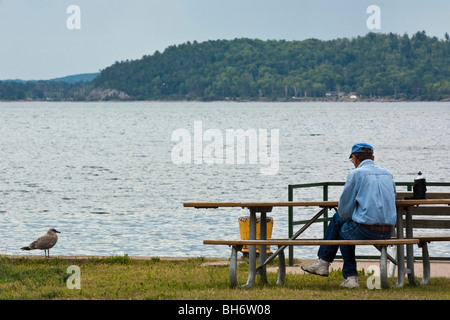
(45, 242)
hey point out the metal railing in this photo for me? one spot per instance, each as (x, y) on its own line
(325, 191)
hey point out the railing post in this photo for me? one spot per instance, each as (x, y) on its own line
(291, 224)
(325, 215)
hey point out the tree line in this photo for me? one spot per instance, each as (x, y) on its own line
(44, 90)
(372, 66)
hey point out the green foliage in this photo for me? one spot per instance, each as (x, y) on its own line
(43, 90)
(372, 66)
(376, 65)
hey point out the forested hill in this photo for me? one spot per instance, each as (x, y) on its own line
(376, 65)
(387, 66)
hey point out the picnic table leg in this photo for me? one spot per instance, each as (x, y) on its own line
(233, 266)
(263, 249)
(410, 248)
(425, 263)
(383, 267)
(392, 265)
(281, 267)
(401, 273)
(400, 251)
(251, 251)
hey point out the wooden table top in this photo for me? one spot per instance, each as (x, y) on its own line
(324, 204)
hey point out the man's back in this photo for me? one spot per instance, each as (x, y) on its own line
(369, 195)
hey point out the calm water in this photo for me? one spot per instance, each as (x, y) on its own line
(103, 173)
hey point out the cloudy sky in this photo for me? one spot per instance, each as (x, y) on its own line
(36, 42)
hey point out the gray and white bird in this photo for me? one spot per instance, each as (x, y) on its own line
(45, 242)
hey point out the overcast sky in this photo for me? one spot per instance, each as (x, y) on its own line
(36, 42)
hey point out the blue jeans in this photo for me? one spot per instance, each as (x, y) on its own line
(347, 229)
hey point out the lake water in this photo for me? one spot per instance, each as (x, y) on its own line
(104, 173)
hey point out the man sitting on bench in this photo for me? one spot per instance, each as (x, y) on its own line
(366, 211)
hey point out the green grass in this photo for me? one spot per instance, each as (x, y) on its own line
(157, 279)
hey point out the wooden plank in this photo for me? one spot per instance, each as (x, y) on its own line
(430, 210)
(422, 202)
(429, 237)
(324, 204)
(430, 195)
(431, 223)
(310, 242)
(329, 204)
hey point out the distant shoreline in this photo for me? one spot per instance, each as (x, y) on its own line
(296, 100)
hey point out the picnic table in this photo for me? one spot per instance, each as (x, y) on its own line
(404, 207)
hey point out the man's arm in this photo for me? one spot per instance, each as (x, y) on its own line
(347, 202)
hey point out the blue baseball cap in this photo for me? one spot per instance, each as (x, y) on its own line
(361, 147)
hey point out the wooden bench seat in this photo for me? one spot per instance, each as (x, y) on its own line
(238, 244)
(432, 237)
(310, 242)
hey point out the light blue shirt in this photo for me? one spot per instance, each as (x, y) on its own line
(369, 195)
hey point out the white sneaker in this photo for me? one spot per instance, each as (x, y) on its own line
(317, 267)
(350, 283)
